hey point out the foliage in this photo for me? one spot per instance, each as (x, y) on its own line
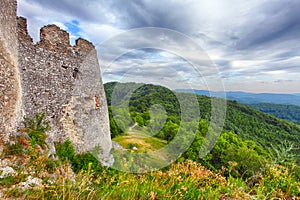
(16, 145)
(247, 133)
(288, 112)
(26, 157)
(65, 151)
(82, 162)
(184, 179)
(278, 181)
(114, 128)
(36, 128)
(248, 156)
(245, 122)
(238, 167)
(282, 153)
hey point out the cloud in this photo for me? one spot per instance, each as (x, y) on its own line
(249, 41)
(279, 22)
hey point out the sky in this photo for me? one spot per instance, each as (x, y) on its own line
(235, 45)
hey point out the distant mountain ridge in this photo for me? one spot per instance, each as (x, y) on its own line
(251, 98)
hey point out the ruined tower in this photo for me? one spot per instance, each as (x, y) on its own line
(10, 99)
(65, 83)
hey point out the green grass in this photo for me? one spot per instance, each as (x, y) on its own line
(181, 180)
(146, 153)
(140, 139)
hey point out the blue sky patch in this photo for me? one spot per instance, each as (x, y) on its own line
(73, 27)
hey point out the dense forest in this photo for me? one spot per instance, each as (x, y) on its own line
(249, 137)
(287, 112)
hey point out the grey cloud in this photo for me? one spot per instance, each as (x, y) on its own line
(284, 81)
(175, 15)
(91, 10)
(266, 30)
(281, 22)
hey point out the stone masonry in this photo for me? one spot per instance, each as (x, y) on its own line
(10, 101)
(65, 83)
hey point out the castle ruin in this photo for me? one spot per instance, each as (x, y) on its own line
(53, 77)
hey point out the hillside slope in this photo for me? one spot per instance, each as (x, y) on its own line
(287, 112)
(246, 122)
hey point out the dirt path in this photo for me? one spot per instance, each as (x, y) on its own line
(130, 129)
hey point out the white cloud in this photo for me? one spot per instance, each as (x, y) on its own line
(60, 25)
(245, 39)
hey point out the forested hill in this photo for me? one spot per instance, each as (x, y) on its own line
(242, 120)
(251, 98)
(287, 112)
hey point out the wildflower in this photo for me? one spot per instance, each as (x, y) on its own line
(191, 173)
(139, 176)
(152, 195)
(118, 184)
(224, 168)
(46, 186)
(179, 178)
(184, 188)
(180, 194)
(125, 182)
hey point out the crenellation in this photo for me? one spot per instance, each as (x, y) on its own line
(23, 34)
(84, 46)
(54, 39)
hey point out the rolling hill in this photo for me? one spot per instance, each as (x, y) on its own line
(251, 98)
(246, 122)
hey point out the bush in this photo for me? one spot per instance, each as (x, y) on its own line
(82, 162)
(36, 128)
(15, 146)
(65, 151)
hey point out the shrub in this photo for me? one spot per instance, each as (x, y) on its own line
(65, 151)
(36, 128)
(15, 146)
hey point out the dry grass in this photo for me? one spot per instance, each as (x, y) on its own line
(140, 139)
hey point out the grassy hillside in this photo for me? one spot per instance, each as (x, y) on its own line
(54, 179)
(28, 172)
(287, 112)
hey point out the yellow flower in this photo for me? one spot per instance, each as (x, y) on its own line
(125, 182)
(184, 188)
(152, 195)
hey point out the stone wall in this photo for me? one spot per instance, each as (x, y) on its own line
(64, 82)
(10, 99)
(53, 77)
